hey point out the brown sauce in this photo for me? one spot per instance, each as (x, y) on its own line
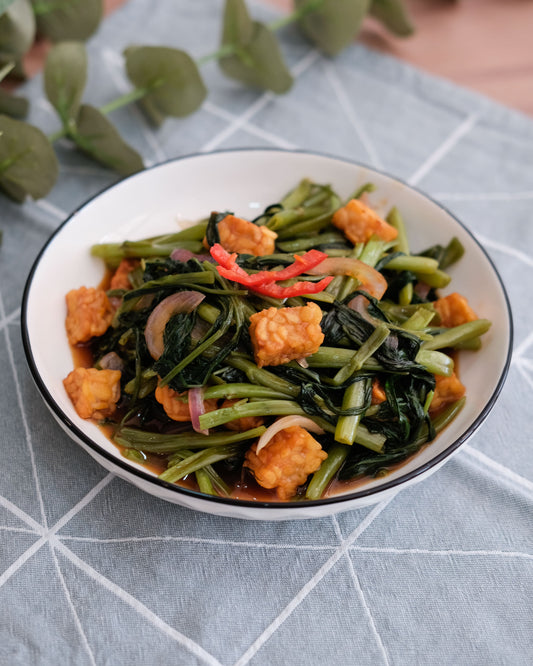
(81, 356)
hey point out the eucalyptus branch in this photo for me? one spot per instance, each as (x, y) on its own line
(68, 130)
(124, 100)
(274, 26)
(222, 52)
(60, 134)
(119, 102)
(166, 82)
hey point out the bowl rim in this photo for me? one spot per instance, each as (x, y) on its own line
(337, 499)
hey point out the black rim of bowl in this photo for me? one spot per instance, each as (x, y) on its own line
(337, 499)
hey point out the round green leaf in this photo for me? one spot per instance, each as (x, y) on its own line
(260, 63)
(99, 139)
(28, 164)
(65, 75)
(335, 24)
(62, 20)
(238, 27)
(170, 77)
(16, 107)
(393, 15)
(17, 30)
(254, 56)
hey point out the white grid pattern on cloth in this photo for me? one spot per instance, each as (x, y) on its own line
(349, 111)
(346, 545)
(25, 426)
(246, 116)
(10, 319)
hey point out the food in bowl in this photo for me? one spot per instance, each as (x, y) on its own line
(283, 358)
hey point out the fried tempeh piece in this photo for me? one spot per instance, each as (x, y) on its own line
(89, 313)
(121, 277)
(238, 235)
(359, 223)
(94, 393)
(454, 310)
(281, 335)
(286, 461)
(176, 405)
(447, 390)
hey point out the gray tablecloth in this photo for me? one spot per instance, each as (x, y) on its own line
(93, 571)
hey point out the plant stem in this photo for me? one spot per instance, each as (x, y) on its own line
(365, 351)
(354, 396)
(123, 100)
(57, 135)
(296, 15)
(457, 335)
(128, 98)
(223, 51)
(321, 478)
(153, 442)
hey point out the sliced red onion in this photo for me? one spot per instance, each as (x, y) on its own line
(183, 301)
(112, 361)
(287, 422)
(370, 279)
(421, 289)
(180, 254)
(199, 329)
(197, 408)
(360, 304)
(302, 362)
(144, 302)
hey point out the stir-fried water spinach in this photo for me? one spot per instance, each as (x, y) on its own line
(182, 321)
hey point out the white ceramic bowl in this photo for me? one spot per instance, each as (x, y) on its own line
(170, 196)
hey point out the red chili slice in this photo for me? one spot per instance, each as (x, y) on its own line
(229, 268)
(227, 260)
(301, 264)
(297, 289)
